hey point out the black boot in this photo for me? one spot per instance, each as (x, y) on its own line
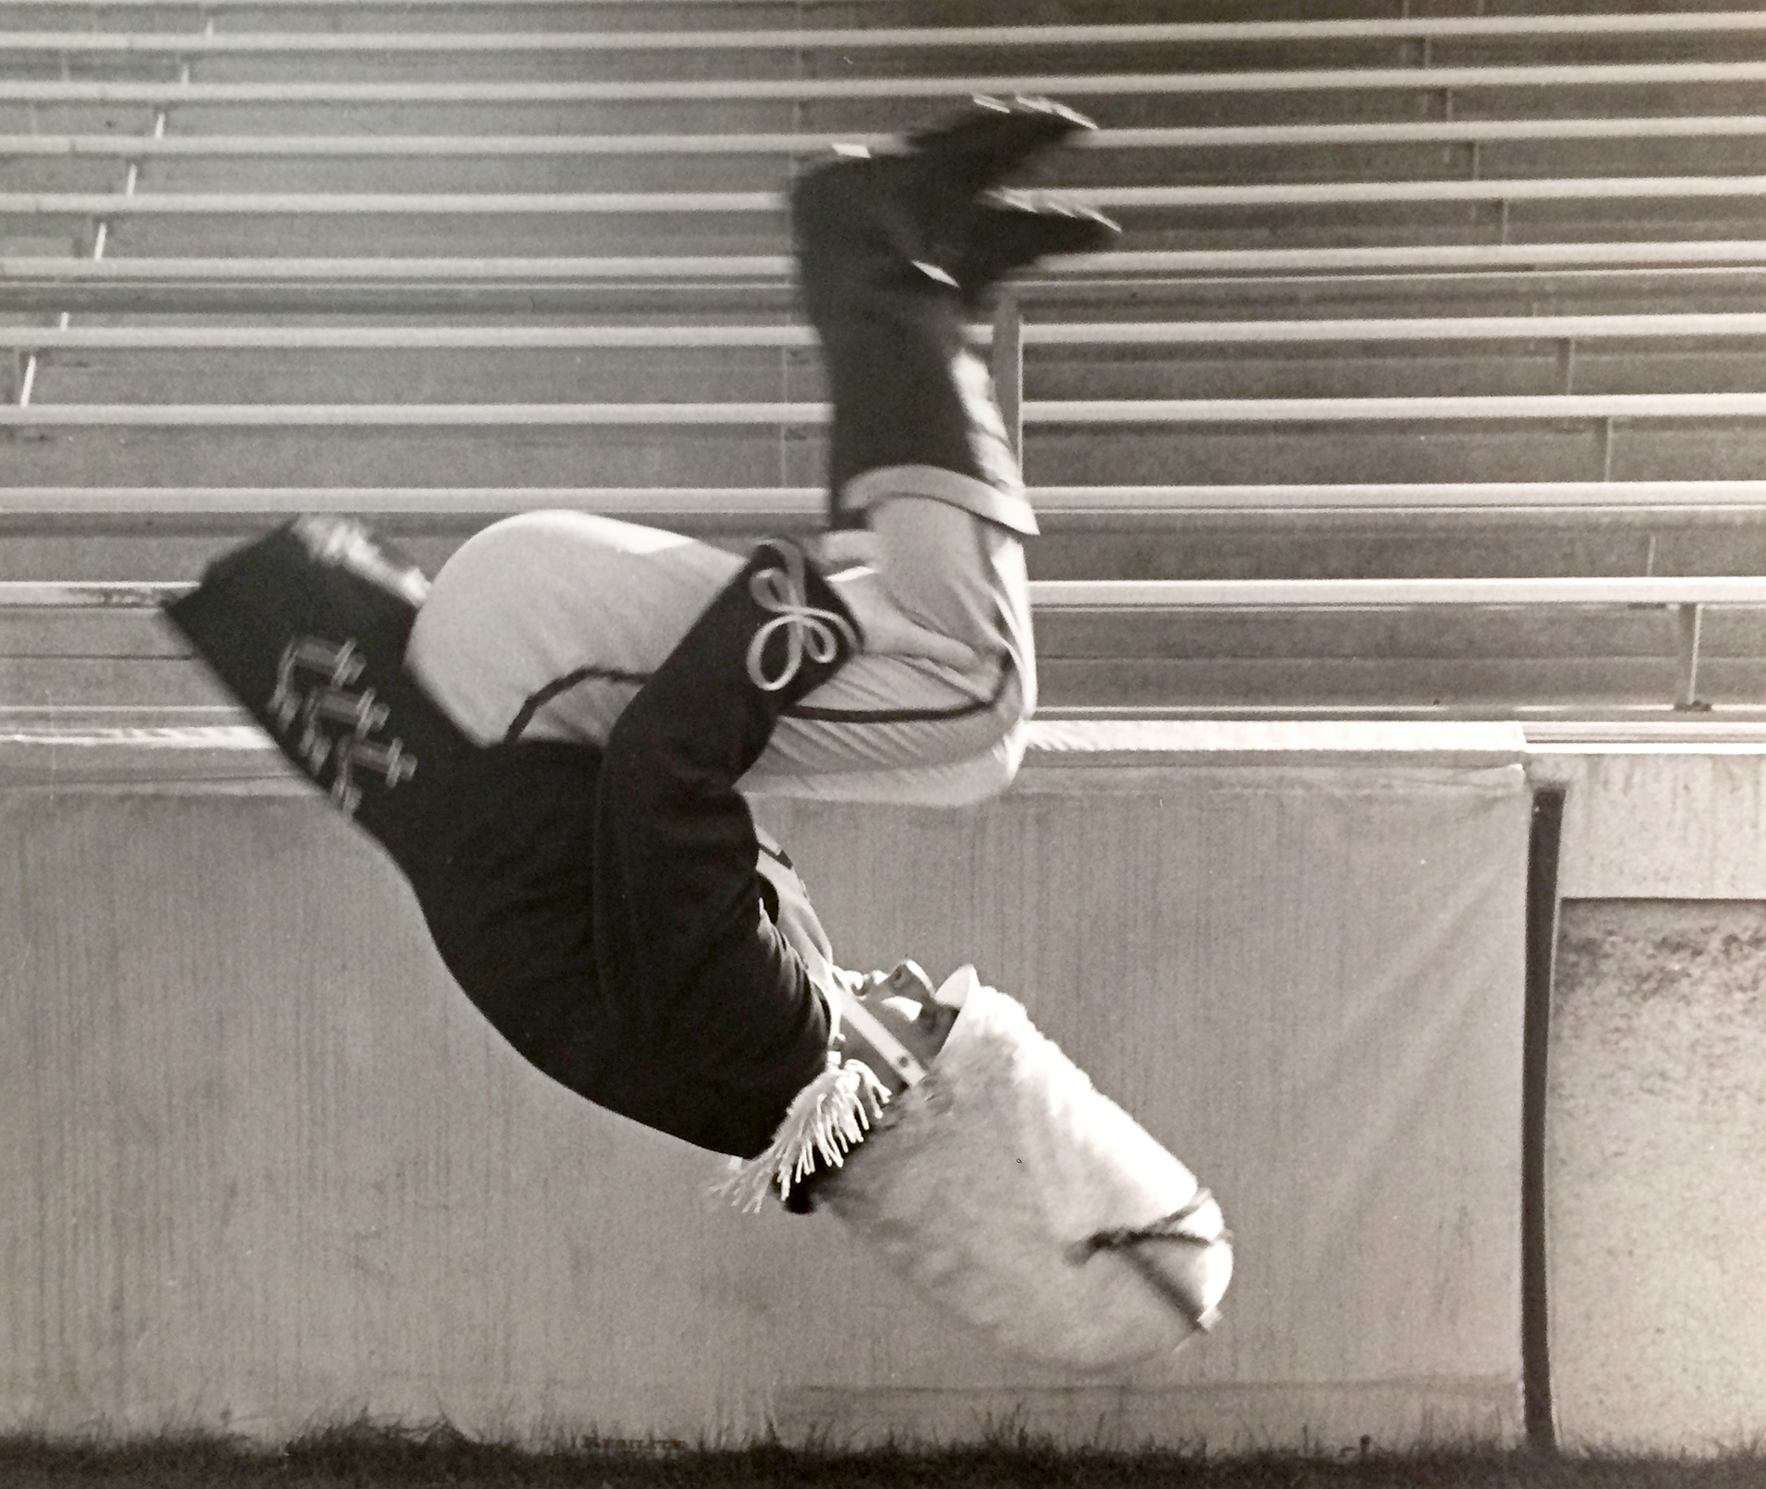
(892, 251)
(1012, 232)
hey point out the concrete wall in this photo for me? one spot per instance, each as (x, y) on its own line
(1657, 1196)
(1668, 821)
(1656, 1119)
(263, 1167)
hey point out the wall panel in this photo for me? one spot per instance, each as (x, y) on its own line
(263, 1167)
(1656, 1197)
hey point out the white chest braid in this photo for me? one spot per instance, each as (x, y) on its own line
(807, 629)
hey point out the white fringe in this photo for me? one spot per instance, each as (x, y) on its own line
(824, 1122)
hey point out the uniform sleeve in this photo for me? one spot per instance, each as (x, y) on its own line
(712, 991)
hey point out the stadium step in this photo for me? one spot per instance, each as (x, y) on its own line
(1448, 164)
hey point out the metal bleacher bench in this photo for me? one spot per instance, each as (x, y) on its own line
(1491, 328)
(58, 73)
(1073, 411)
(1111, 198)
(758, 504)
(1176, 137)
(173, 93)
(1687, 595)
(1186, 33)
(1605, 412)
(31, 340)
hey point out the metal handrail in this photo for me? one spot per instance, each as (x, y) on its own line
(325, 5)
(1287, 594)
(1141, 594)
(1176, 137)
(1066, 85)
(1185, 33)
(465, 269)
(1520, 327)
(625, 203)
(1175, 411)
(761, 503)
(390, 338)
(1686, 595)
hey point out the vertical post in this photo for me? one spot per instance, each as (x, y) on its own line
(1691, 620)
(1606, 449)
(1567, 365)
(1542, 932)
(1008, 368)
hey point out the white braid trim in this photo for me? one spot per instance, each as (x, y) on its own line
(808, 630)
(824, 1122)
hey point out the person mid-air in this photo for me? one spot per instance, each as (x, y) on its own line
(553, 740)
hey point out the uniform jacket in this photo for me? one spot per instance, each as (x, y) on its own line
(606, 909)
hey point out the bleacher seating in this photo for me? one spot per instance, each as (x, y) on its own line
(1408, 291)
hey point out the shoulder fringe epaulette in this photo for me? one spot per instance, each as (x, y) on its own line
(825, 1120)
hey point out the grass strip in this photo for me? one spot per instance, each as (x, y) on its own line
(373, 1457)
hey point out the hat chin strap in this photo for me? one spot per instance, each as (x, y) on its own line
(896, 1055)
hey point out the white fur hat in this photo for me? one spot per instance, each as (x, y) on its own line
(1008, 1189)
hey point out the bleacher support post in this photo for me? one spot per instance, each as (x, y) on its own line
(1691, 618)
